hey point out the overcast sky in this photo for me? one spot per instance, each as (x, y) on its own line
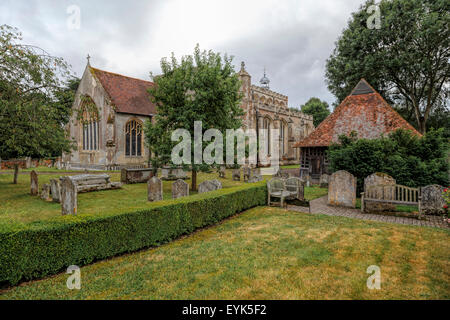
(292, 39)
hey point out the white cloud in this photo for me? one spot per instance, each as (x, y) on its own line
(292, 39)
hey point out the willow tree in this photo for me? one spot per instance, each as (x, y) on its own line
(201, 87)
(402, 47)
(34, 99)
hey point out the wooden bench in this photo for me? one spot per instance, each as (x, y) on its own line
(291, 188)
(94, 182)
(392, 194)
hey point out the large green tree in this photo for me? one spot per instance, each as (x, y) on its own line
(201, 87)
(406, 59)
(32, 99)
(316, 108)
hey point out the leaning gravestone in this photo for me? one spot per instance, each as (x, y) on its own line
(34, 183)
(55, 189)
(209, 185)
(379, 186)
(432, 200)
(45, 192)
(180, 189)
(155, 189)
(342, 189)
(69, 196)
(237, 175)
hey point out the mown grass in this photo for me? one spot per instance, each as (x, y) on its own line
(270, 253)
(398, 208)
(18, 206)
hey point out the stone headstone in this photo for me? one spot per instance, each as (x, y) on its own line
(247, 173)
(379, 186)
(324, 180)
(34, 183)
(237, 175)
(342, 189)
(69, 196)
(45, 192)
(155, 189)
(180, 189)
(255, 178)
(55, 189)
(28, 163)
(432, 199)
(209, 185)
(222, 171)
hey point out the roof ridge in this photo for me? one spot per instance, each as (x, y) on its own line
(120, 75)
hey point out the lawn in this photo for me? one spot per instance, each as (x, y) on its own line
(17, 206)
(270, 253)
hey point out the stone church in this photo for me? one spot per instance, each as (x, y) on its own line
(110, 111)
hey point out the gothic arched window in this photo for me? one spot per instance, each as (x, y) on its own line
(133, 138)
(267, 134)
(90, 124)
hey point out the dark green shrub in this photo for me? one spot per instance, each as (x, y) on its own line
(413, 161)
(34, 251)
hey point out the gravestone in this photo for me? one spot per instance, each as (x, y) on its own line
(155, 189)
(55, 189)
(222, 171)
(45, 192)
(169, 173)
(180, 189)
(255, 178)
(246, 172)
(379, 186)
(209, 185)
(342, 189)
(432, 200)
(237, 175)
(324, 180)
(34, 183)
(69, 196)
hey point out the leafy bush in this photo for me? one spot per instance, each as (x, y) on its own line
(34, 251)
(413, 161)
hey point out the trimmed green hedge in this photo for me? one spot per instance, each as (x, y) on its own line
(34, 252)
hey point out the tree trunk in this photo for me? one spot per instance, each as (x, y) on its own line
(194, 181)
(16, 172)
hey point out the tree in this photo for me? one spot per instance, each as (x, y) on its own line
(406, 60)
(31, 117)
(202, 87)
(316, 108)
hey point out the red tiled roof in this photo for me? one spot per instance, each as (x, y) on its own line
(129, 95)
(363, 111)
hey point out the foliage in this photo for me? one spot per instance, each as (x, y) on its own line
(413, 161)
(38, 250)
(34, 99)
(316, 108)
(202, 87)
(406, 60)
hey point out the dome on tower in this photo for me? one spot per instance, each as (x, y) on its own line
(264, 81)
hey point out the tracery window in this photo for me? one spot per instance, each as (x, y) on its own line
(267, 134)
(90, 135)
(133, 138)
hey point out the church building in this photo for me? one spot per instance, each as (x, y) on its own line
(110, 110)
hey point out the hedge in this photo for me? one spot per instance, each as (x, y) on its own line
(34, 252)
